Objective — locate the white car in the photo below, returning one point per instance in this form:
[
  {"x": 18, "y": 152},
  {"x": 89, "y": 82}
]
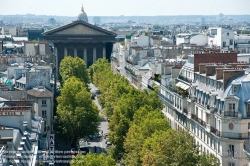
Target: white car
[{"x": 109, "y": 144}]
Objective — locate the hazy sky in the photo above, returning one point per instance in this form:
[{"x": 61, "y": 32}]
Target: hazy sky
[{"x": 125, "y": 7}]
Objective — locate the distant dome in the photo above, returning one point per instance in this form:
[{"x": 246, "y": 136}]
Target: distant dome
[{"x": 82, "y": 16}]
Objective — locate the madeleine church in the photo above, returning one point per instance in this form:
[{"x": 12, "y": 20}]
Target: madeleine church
[{"x": 81, "y": 39}]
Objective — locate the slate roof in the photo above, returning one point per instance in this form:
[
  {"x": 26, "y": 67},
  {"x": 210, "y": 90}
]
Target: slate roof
[{"x": 39, "y": 92}]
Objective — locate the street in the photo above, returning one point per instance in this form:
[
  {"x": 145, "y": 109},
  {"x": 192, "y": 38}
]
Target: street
[{"x": 100, "y": 143}]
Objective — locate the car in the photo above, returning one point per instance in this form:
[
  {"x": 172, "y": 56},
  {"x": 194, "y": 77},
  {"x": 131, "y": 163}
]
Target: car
[
  {"x": 97, "y": 92},
  {"x": 93, "y": 96},
  {"x": 109, "y": 144},
  {"x": 105, "y": 135}
]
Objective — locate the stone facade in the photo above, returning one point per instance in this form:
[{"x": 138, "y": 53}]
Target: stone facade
[{"x": 81, "y": 39}]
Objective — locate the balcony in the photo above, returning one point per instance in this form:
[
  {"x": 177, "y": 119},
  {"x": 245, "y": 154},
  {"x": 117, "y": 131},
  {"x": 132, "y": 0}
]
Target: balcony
[
  {"x": 234, "y": 135},
  {"x": 44, "y": 105},
  {"x": 151, "y": 88},
  {"x": 231, "y": 113},
  {"x": 230, "y": 135},
  {"x": 131, "y": 72},
  {"x": 215, "y": 131},
  {"x": 185, "y": 79},
  {"x": 201, "y": 122},
  {"x": 165, "y": 98}
]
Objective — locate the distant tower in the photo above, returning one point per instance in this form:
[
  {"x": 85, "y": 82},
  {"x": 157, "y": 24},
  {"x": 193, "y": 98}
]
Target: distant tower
[
  {"x": 52, "y": 21},
  {"x": 82, "y": 15}
]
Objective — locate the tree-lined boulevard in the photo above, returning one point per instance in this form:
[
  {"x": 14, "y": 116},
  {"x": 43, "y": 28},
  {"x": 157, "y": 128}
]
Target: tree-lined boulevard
[{"x": 138, "y": 131}]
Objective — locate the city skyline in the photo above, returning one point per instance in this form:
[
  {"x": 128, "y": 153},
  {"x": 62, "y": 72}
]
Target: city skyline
[{"x": 127, "y": 8}]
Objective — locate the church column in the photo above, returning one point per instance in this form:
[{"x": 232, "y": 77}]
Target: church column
[
  {"x": 104, "y": 50},
  {"x": 56, "y": 58},
  {"x": 94, "y": 52},
  {"x": 75, "y": 49},
  {"x": 85, "y": 53},
  {"x": 65, "y": 50}
]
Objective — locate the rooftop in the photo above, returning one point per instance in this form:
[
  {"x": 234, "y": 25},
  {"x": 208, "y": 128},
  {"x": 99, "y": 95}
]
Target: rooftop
[{"x": 40, "y": 91}]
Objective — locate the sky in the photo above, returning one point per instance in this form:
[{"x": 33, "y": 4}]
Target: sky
[{"x": 125, "y": 7}]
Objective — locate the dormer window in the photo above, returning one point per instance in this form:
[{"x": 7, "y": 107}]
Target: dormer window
[{"x": 234, "y": 89}]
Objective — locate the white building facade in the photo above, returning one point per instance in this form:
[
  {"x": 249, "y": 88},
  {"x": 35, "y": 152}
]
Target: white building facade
[{"x": 216, "y": 112}]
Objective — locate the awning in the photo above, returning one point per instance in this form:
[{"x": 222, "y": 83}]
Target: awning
[{"x": 182, "y": 85}]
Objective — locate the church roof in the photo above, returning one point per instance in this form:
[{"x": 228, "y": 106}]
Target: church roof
[{"x": 79, "y": 28}]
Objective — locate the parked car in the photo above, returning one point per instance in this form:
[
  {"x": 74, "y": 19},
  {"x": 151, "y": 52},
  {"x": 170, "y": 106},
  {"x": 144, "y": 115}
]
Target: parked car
[
  {"x": 93, "y": 96},
  {"x": 109, "y": 144},
  {"x": 97, "y": 92},
  {"x": 105, "y": 135}
]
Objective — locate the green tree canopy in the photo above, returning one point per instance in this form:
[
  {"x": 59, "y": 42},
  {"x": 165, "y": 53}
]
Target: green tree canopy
[
  {"x": 77, "y": 116},
  {"x": 70, "y": 66},
  {"x": 93, "y": 160},
  {"x": 173, "y": 148},
  {"x": 146, "y": 122},
  {"x": 157, "y": 26}
]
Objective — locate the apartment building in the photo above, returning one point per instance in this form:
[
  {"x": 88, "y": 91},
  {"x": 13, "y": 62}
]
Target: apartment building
[
  {"x": 221, "y": 37},
  {"x": 20, "y": 131},
  {"x": 242, "y": 43},
  {"x": 212, "y": 101}
]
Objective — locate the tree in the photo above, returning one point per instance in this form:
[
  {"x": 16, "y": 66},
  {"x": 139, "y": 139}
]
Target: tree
[
  {"x": 70, "y": 66},
  {"x": 146, "y": 122},
  {"x": 77, "y": 116},
  {"x": 93, "y": 160},
  {"x": 173, "y": 148},
  {"x": 157, "y": 27}
]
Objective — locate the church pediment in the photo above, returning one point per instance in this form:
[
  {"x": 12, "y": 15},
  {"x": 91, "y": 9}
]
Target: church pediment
[{"x": 79, "y": 28}]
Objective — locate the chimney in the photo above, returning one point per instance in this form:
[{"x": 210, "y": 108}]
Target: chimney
[
  {"x": 228, "y": 74},
  {"x": 219, "y": 72},
  {"x": 210, "y": 69},
  {"x": 202, "y": 68}
]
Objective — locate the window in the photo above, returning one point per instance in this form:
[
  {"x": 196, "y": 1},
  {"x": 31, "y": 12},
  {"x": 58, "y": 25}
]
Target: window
[
  {"x": 218, "y": 146},
  {"x": 44, "y": 113},
  {"x": 235, "y": 89},
  {"x": 224, "y": 44},
  {"x": 231, "y": 41},
  {"x": 227, "y": 34},
  {"x": 213, "y": 31},
  {"x": 231, "y": 150},
  {"x": 231, "y": 164},
  {"x": 248, "y": 109},
  {"x": 231, "y": 106},
  {"x": 43, "y": 102}
]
